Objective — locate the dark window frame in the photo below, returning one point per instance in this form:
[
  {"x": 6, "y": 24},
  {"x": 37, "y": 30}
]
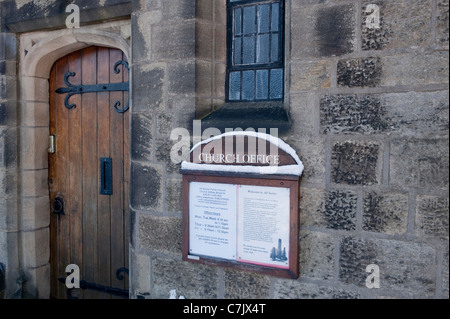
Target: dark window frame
[{"x": 279, "y": 64}]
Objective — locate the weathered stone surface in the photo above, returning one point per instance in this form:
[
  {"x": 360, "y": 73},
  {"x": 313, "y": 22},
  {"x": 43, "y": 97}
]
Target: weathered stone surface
[
  {"x": 148, "y": 92},
  {"x": 352, "y": 114},
  {"x": 432, "y": 216},
  {"x": 445, "y": 274},
  {"x": 174, "y": 201},
  {"x": 340, "y": 210},
  {"x": 356, "y": 163},
  {"x": 142, "y": 137},
  {"x": 302, "y": 116},
  {"x": 160, "y": 233},
  {"x": 335, "y": 29},
  {"x": 312, "y": 154},
  {"x": 442, "y": 24},
  {"x": 323, "y": 31},
  {"x": 146, "y": 188},
  {"x": 180, "y": 44},
  {"x": 163, "y": 148},
  {"x": 420, "y": 163},
  {"x": 365, "y": 72},
  {"x": 310, "y": 75},
  {"x": 418, "y": 68},
  {"x": 242, "y": 285},
  {"x": 189, "y": 280},
  {"x": 423, "y": 114},
  {"x": 312, "y": 202},
  {"x": 290, "y": 289},
  {"x": 316, "y": 255},
  {"x": 402, "y": 23},
  {"x": 404, "y": 266},
  {"x": 385, "y": 213}
]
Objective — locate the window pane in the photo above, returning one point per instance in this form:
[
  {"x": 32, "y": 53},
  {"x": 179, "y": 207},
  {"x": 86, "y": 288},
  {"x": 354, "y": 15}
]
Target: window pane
[
  {"x": 249, "y": 50},
  {"x": 275, "y": 16},
  {"x": 237, "y": 51},
  {"x": 262, "y": 84},
  {"x": 235, "y": 86},
  {"x": 248, "y": 85},
  {"x": 249, "y": 19},
  {"x": 237, "y": 21},
  {"x": 276, "y": 83},
  {"x": 274, "y": 57},
  {"x": 262, "y": 52},
  {"x": 263, "y": 18}
]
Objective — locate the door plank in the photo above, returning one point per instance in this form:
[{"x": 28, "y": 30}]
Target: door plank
[
  {"x": 63, "y": 222},
  {"x": 117, "y": 149},
  {"x": 104, "y": 204},
  {"x": 74, "y": 207},
  {"x": 90, "y": 170}
]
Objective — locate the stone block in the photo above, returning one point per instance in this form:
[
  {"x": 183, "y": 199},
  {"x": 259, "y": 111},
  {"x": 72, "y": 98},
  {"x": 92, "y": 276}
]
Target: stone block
[
  {"x": 174, "y": 11},
  {"x": 35, "y": 213},
  {"x": 294, "y": 289},
  {"x": 420, "y": 163},
  {"x": 142, "y": 137},
  {"x": 442, "y": 18},
  {"x": 140, "y": 268},
  {"x": 323, "y": 31},
  {"x": 34, "y": 148},
  {"x": 181, "y": 78},
  {"x": 310, "y": 75},
  {"x": 8, "y": 46},
  {"x": 420, "y": 114},
  {"x": 148, "y": 89},
  {"x": 356, "y": 163},
  {"x": 190, "y": 280},
  {"x": 312, "y": 153},
  {"x": 240, "y": 285},
  {"x": 385, "y": 213},
  {"x": 445, "y": 274},
  {"x": 34, "y": 114},
  {"x": 160, "y": 234},
  {"x": 432, "y": 216},
  {"x": 35, "y": 183},
  {"x": 316, "y": 255},
  {"x": 351, "y": 114},
  {"x": 180, "y": 44},
  {"x": 340, "y": 210},
  {"x": 302, "y": 114},
  {"x": 8, "y": 147},
  {"x": 404, "y": 266},
  {"x": 163, "y": 149},
  {"x": 8, "y": 215},
  {"x": 402, "y": 24},
  {"x": 174, "y": 202},
  {"x": 417, "y": 68},
  {"x": 141, "y": 44},
  {"x": 364, "y": 72},
  {"x": 312, "y": 201},
  {"x": 146, "y": 189},
  {"x": 36, "y": 250}
]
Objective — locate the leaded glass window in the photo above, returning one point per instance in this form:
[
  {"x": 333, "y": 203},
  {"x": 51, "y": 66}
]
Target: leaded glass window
[{"x": 255, "y": 67}]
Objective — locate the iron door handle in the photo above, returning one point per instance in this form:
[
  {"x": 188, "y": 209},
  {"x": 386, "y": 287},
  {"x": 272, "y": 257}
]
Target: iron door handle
[{"x": 58, "y": 206}]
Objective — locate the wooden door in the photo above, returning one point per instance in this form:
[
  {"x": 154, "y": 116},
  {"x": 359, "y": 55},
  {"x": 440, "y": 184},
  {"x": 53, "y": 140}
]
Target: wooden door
[{"x": 93, "y": 232}]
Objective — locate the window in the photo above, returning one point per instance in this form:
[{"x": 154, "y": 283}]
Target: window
[{"x": 255, "y": 56}]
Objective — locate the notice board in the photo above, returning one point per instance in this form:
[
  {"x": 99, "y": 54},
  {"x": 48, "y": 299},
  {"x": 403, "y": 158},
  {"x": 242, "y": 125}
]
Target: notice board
[{"x": 242, "y": 216}]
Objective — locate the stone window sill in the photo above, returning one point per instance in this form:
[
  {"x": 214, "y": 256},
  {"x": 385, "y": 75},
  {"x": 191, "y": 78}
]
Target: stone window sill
[{"x": 246, "y": 115}]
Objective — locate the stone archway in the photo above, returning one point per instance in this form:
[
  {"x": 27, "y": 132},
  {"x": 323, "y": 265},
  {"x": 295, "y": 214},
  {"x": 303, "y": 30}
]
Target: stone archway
[{"x": 38, "y": 52}]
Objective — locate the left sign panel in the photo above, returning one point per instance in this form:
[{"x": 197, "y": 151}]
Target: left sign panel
[{"x": 212, "y": 225}]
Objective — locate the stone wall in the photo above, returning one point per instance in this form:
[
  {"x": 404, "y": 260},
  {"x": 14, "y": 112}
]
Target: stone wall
[{"x": 370, "y": 120}]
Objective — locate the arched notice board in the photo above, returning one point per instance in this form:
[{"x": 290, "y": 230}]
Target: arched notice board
[{"x": 240, "y": 204}]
